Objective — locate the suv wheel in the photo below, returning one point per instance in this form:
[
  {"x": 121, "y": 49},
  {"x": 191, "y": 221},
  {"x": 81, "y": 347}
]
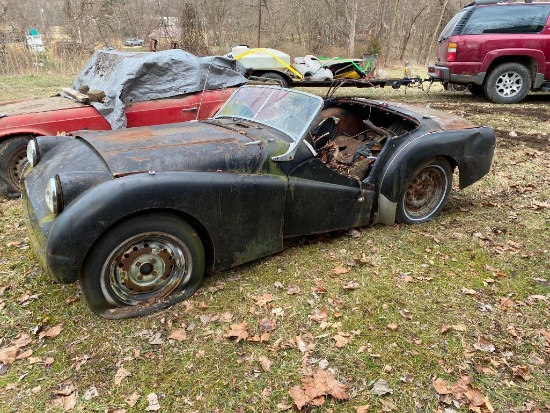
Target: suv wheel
[{"x": 508, "y": 83}]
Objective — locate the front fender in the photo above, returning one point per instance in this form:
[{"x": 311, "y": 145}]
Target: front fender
[
  {"x": 470, "y": 149},
  {"x": 242, "y": 215}
]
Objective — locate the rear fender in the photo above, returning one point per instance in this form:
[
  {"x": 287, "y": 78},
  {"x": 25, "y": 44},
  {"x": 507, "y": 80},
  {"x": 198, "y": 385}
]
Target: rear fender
[{"x": 471, "y": 150}]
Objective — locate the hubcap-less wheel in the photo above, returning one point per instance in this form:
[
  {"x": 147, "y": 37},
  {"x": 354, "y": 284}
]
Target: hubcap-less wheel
[
  {"x": 509, "y": 84},
  {"x": 16, "y": 165},
  {"x": 13, "y": 158},
  {"x": 142, "y": 264},
  {"x": 151, "y": 265},
  {"x": 425, "y": 194}
]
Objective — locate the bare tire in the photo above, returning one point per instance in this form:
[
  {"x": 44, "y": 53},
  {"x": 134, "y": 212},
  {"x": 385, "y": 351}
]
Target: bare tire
[
  {"x": 144, "y": 264},
  {"x": 508, "y": 83},
  {"x": 13, "y": 158},
  {"x": 280, "y": 79},
  {"x": 425, "y": 193}
]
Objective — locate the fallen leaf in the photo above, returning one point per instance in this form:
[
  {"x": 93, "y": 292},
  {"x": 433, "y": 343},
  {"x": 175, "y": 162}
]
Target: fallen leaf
[
  {"x": 267, "y": 324},
  {"x": 156, "y": 339},
  {"x": 405, "y": 314},
  {"x": 8, "y": 354},
  {"x": 441, "y": 386},
  {"x": 66, "y": 403},
  {"x": 351, "y": 285},
  {"x": 521, "y": 372},
  {"x": 265, "y": 363},
  {"x": 293, "y": 290},
  {"x": 342, "y": 339},
  {"x": 392, "y": 326},
  {"x": 132, "y": 399},
  {"x": 24, "y": 355},
  {"x": 263, "y": 300},
  {"x": 484, "y": 345},
  {"x": 90, "y": 393},
  {"x": 65, "y": 389},
  {"x": 380, "y": 387},
  {"x": 341, "y": 270},
  {"x": 179, "y": 335},
  {"x": 299, "y": 396},
  {"x": 51, "y": 332},
  {"x": 153, "y": 404},
  {"x": 120, "y": 375},
  {"x": 22, "y": 340},
  {"x": 314, "y": 389},
  {"x": 238, "y": 331}
]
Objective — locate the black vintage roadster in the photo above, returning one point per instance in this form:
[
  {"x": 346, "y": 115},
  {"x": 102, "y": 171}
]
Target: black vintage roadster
[{"x": 138, "y": 215}]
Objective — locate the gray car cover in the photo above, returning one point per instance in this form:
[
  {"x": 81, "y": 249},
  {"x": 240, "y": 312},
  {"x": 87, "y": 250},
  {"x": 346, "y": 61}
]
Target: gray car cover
[{"x": 127, "y": 77}]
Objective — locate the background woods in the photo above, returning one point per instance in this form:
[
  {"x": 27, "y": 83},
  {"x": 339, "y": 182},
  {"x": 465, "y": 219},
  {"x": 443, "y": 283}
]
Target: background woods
[{"x": 396, "y": 31}]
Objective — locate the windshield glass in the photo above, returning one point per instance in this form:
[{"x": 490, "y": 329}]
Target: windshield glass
[{"x": 287, "y": 110}]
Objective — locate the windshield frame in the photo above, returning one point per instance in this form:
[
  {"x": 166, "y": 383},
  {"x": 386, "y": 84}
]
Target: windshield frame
[{"x": 287, "y": 110}]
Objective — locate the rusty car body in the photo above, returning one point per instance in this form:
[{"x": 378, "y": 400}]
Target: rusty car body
[
  {"x": 138, "y": 215},
  {"x": 141, "y": 86}
]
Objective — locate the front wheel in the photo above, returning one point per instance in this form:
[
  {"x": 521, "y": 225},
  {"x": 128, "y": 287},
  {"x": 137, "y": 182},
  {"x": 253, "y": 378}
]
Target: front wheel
[
  {"x": 426, "y": 192},
  {"x": 144, "y": 264},
  {"x": 508, "y": 83},
  {"x": 13, "y": 157}
]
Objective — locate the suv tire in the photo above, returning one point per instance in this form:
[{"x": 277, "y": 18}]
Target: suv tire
[{"x": 508, "y": 83}]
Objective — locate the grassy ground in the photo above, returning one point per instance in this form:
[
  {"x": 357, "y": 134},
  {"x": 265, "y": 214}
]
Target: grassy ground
[{"x": 449, "y": 316}]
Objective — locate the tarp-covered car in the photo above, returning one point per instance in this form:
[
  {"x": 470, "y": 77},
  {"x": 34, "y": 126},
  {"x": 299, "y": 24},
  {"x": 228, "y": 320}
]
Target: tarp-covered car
[
  {"x": 119, "y": 90},
  {"x": 139, "y": 214}
]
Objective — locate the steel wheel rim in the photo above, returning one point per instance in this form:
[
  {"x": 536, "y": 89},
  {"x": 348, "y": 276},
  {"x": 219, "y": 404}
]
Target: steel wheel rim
[
  {"x": 425, "y": 193},
  {"x": 509, "y": 84},
  {"x": 16, "y": 165},
  {"x": 146, "y": 267}
]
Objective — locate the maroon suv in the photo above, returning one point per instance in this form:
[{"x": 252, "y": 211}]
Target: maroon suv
[{"x": 498, "y": 49}]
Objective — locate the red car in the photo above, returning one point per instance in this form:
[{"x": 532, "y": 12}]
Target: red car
[
  {"x": 497, "y": 49},
  {"x": 157, "y": 88}
]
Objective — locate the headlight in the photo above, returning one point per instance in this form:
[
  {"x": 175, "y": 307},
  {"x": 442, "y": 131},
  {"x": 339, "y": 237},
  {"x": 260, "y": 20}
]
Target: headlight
[
  {"x": 32, "y": 153},
  {"x": 54, "y": 196}
]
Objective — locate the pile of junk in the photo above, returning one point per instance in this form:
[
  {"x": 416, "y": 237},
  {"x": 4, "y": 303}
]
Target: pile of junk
[{"x": 276, "y": 65}]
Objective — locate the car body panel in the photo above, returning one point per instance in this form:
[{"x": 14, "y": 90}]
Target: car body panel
[
  {"x": 57, "y": 115},
  {"x": 225, "y": 177}
]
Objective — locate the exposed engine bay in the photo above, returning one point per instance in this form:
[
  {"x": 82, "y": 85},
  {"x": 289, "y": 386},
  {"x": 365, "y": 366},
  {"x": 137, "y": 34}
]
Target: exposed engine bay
[{"x": 348, "y": 138}]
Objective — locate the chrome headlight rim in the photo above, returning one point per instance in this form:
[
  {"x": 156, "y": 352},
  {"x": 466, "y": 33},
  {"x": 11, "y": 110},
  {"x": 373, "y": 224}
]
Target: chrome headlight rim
[
  {"x": 33, "y": 155},
  {"x": 54, "y": 195}
]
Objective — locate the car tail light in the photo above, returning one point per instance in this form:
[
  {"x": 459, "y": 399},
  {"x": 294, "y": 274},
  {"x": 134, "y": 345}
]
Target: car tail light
[{"x": 451, "y": 52}]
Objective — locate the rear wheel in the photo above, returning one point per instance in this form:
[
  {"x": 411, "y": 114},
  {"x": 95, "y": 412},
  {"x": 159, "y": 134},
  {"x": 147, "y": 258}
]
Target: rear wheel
[
  {"x": 508, "y": 83},
  {"x": 280, "y": 79},
  {"x": 426, "y": 193},
  {"x": 13, "y": 158},
  {"x": 141, "y": 265}
]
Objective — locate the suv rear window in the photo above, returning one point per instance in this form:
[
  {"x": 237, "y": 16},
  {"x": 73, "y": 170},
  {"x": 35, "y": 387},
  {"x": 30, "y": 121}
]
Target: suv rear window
[{"x": 507, "y": 19}]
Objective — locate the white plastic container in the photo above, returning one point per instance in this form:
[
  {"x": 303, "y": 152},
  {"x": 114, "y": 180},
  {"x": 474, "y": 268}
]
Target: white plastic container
[{"x": 260, "y": 59}]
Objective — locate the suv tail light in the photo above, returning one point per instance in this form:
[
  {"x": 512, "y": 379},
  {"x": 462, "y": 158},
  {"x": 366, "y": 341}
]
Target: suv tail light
[{"x": 451, "y": 52}]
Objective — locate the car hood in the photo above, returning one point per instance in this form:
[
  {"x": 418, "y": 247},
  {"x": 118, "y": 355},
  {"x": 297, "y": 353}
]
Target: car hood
[
  {"x": 19, "y": 107},
  {"x": 190, "y": 146}
]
